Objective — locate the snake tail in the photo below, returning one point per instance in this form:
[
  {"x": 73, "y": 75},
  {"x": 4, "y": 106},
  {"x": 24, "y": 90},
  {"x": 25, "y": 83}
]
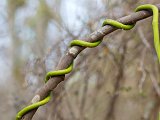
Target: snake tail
[
  {"x": 155, "y": 25},
  {"x": 45, "y": 100}
]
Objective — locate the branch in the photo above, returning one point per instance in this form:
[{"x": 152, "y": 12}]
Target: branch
[{"x": 72, "y": 53}]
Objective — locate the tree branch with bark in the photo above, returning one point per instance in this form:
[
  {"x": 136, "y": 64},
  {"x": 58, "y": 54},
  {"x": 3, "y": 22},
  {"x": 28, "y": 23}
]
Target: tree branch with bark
[{"x": 68, "y": 58}]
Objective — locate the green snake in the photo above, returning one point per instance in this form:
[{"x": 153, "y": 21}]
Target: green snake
[{"x": 94, "y": 44}]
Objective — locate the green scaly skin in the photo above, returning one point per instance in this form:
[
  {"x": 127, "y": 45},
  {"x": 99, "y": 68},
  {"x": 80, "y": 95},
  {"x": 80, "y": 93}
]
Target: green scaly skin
[
  {"x": 94, "y": 44},
  {"x": 154, "y": 25},
  {"x": 117, "y": 24},
  {"x": 46, "y": 100}
]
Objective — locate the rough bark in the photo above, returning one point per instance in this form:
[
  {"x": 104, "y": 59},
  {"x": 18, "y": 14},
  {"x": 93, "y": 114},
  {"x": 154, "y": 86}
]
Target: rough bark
[{"x": 68, "y": 58}]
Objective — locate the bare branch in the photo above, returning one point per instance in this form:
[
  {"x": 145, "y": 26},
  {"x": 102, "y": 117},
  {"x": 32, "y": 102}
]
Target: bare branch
[{"x": 68, "y": 58}]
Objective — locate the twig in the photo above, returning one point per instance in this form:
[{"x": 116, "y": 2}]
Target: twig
[
  {"x": 142, "y": 69},
  {"x": 155, "y": 85},
  {"x": 143, "y": 38},
  {"x": 117, "y": 85}
]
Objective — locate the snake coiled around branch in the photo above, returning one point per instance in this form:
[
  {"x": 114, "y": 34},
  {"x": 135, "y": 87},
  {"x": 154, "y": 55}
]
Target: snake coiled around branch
[{"x": 110, "y": 22}]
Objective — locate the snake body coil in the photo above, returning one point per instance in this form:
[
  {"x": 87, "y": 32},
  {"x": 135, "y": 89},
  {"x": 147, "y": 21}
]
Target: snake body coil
[{"x": 94, "y": 44}]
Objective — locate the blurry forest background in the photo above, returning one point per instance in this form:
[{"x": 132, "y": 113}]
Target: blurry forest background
[{"x": 118, "y": 80}]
